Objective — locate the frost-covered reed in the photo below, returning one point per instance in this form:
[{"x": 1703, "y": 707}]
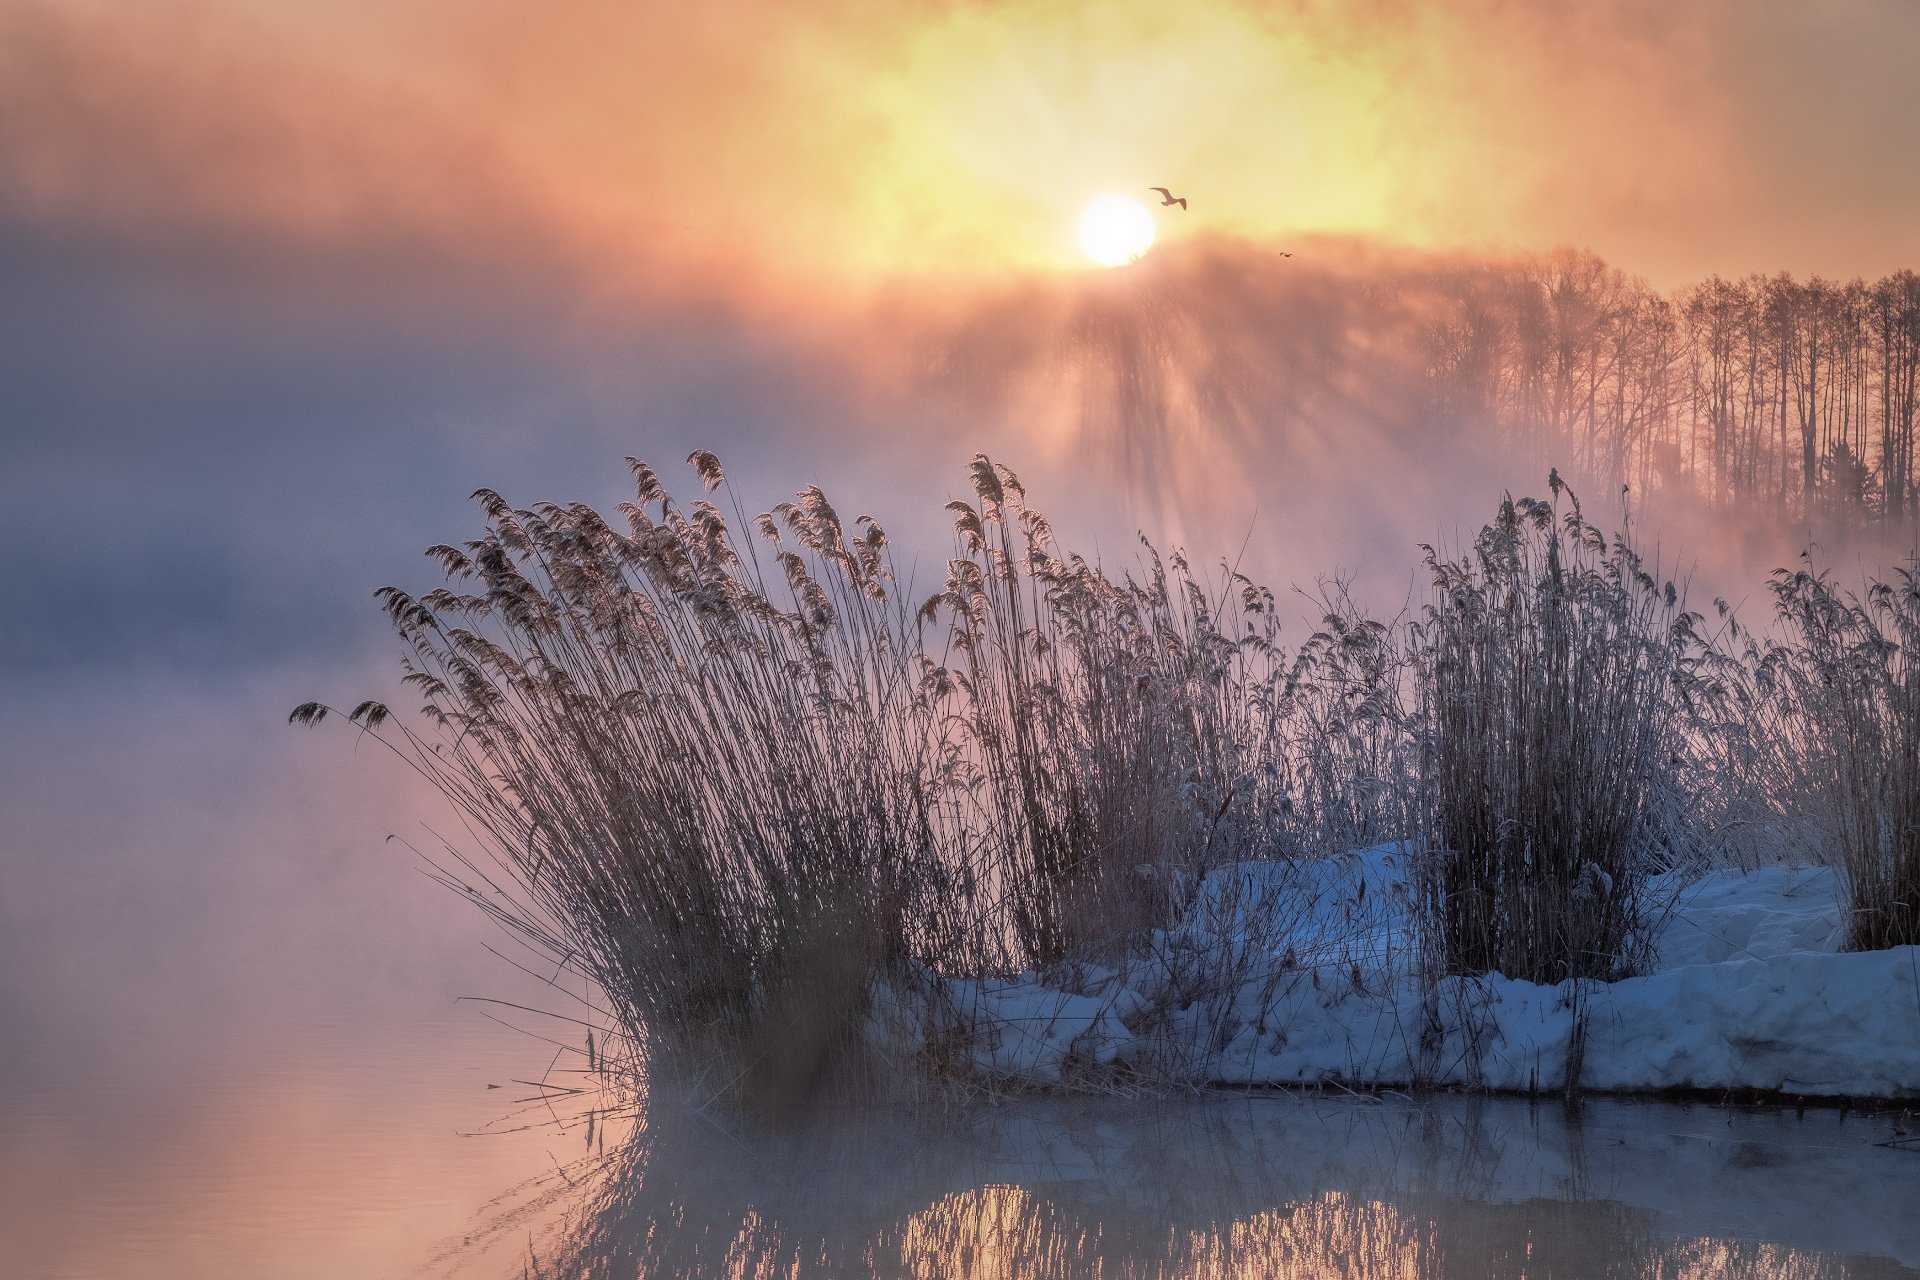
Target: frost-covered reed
[
  {"x": 1548, "y": 670},
  {"x": 730, "y": 773},
  {"x": 797, "y": 825},
  {"x": 1122, "y": 731},
  {"x": 704, "y": 764},
  {"x": 1849, "y": 669}
]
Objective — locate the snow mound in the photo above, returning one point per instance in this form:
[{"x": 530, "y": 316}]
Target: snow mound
[
  {"x": 1300, "y": 974},
  {"x": 1750, "y": 915}
]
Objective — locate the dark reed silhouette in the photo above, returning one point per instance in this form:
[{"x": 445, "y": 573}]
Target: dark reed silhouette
[
  {"x": 755, "y": 796},
  {"x": 736, "y": 783},
  {"x": 1549, "y": 668}
]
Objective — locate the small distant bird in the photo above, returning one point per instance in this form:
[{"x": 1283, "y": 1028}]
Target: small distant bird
[{"x": 1167, "y": 197}]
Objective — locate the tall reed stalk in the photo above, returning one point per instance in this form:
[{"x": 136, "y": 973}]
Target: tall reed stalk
[
  {"x": 1852, "y": 669},
  {"x": 1548, "y": 667}
]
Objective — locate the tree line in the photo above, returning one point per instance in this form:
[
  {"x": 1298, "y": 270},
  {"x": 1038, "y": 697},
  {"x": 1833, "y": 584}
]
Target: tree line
[{"x": 1795, "y": 394}]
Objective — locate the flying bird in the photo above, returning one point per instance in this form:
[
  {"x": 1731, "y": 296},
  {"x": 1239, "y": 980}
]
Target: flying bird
[{"x": 1167, "y": 197}]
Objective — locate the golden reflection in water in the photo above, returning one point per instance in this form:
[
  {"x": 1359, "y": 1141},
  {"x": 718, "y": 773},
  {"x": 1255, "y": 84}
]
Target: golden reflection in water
[
  {"x": 1008, "y": 1233},
  {"x": 1332, "y": 1235},
  {"x": 1715, "y": 1259},
  {"x": 1294, "y": 1194},
  {"x": 990, "y": 1233}
]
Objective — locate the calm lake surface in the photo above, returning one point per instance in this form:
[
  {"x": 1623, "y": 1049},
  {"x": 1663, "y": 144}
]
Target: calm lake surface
[
  {"x": 368, "y": 1174},
  {"x": 1259, "y": 1186}
]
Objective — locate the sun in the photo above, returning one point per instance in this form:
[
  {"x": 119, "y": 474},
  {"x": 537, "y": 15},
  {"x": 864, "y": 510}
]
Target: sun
[{"x": 1115, "y": 230}]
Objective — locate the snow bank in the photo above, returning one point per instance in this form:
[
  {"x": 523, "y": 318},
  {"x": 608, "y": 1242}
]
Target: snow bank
[{"x": 1308, "y": 974}]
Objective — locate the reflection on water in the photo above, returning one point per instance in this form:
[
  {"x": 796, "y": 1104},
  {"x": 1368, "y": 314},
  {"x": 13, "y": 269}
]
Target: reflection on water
[
  {"x": 996, "y": 1232},
  {"x": 1229, "y": 1188},
  {"x": 316, "y": 1158}
]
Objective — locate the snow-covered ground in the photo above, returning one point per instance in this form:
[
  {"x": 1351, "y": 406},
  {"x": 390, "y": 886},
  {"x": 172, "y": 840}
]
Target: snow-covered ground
[{"x": 1308, "y": 975}]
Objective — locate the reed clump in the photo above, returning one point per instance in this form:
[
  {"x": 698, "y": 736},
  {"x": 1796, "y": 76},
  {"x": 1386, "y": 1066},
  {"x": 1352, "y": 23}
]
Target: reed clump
[
  {"x": 1549, "y": 670},
  {"x": 1122, "y": 734},
  {"x": 1849, "y": 667},
  {"x": 726, "y": 770},
  {"x": 703, "y": 763},
  {"x": 800, "y": 828},
  {"x": 1089, "y": 736}
]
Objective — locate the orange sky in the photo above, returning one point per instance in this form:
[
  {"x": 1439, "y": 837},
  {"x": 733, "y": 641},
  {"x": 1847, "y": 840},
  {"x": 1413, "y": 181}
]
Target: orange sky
[{"x": 856, "y": 140}]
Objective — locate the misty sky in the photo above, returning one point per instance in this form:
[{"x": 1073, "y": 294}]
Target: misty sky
[{"x": 284, "y": 281}]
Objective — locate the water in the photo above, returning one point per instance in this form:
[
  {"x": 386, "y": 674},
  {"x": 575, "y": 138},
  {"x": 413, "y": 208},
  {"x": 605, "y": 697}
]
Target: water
[
  {"x": 366, "y": 1172},
  {"x": 1253, "y": 1186},
  {"x": 332, "y": 1152},
  {"x": 319, "y": 1155}
]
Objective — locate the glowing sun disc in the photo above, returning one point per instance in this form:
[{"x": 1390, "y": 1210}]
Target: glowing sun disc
[{"x": 1115, "y": 230}]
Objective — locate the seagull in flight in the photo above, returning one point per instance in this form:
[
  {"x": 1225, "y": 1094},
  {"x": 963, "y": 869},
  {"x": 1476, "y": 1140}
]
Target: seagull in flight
[{"x": 1167, "y": 197}]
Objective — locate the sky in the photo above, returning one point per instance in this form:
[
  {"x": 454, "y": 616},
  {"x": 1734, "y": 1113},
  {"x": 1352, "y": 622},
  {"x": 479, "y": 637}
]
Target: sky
[{"x": 282, "y": 282}]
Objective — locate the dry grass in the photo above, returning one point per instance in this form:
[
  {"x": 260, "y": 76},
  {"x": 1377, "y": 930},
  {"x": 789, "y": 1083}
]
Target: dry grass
[
  {"x": 734, "y": 781},
  {"x": 1127, "y": 733},
  {"x": 1849, "y": 669},
  {"x": 1549, "y": 668},
  {"x": 696, "y": 762},
  {"x": 724, "y": 769}
]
